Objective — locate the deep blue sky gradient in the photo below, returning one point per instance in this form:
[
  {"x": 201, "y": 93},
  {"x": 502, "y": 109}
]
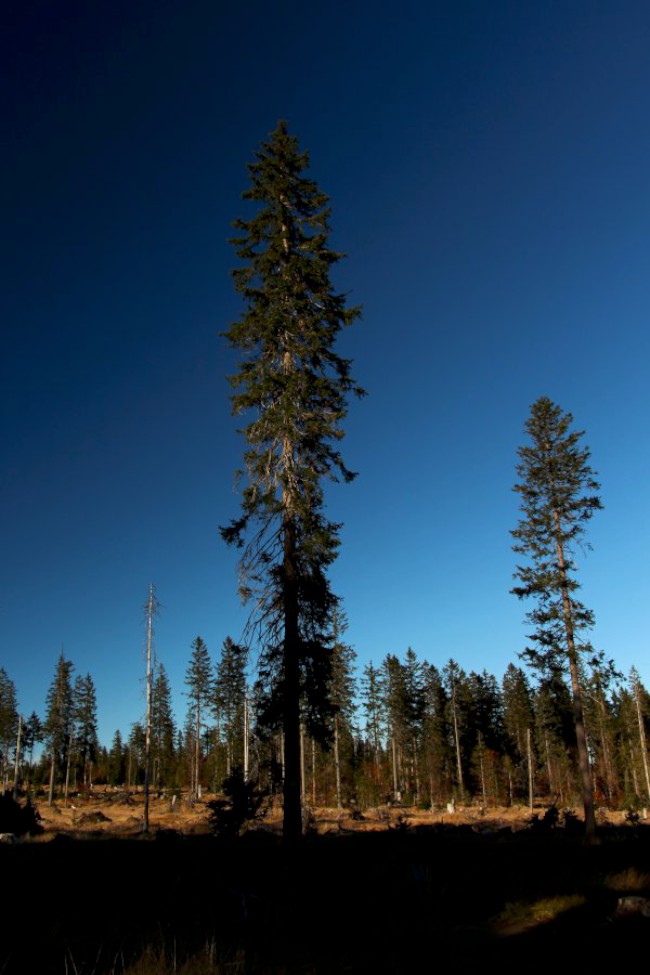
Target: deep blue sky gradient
[{"x": 487, "y": 165}]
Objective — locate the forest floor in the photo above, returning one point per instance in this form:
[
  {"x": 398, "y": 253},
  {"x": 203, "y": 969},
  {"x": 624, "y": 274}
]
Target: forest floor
[
  {"x": 398, "y": 892},
  {"x": 120, "y": 813}
]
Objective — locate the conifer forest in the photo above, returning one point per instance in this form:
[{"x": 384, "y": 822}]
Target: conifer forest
[{"x": 508, "y": 810}]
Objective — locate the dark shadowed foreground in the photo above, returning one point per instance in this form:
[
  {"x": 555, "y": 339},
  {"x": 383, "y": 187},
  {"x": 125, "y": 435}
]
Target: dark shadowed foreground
[{"x": 426, "y": 899}]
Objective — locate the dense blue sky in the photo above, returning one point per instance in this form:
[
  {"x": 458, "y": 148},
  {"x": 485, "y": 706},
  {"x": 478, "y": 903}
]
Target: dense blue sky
[{"x": 487, "y": 165}]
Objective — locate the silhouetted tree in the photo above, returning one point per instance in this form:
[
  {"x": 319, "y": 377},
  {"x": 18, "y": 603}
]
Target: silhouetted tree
[
  {"x": 642, "y": 706},
  {"x": 437, "y": 734},
  {"x": 198, "y": 679},
  {"x": 162, "y": 729},
  {"x": 600, "y": 725},
  {"x": 58, "y": 720},
  {"x": 518, "y": 721},
  {"x": 8, "y": 723},
  {"x": 341, "y": 693},
  {"x": 116, "y": 771},
  {"x": 85, "y": 725},
  {"x": 33, "y": 734},
  {"x": 453, "y": 679},
  {"x": 375, "y": 712},
  {"x": 136, "y": 754},
  {"x": 294, "y": 387},
  {"x": 230, "y": 689}
]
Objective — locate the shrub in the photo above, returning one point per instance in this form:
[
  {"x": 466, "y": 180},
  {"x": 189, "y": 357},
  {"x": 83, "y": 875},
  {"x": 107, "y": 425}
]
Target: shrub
[
  {"x": 17, "y": 819},
  {"x": 242, "y": 803}
]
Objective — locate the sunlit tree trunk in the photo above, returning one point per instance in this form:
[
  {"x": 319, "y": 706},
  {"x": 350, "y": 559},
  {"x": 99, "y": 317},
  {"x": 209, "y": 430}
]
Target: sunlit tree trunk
[
  {"x": 337, "y": 762},
  {"x": 17, "y": 762}
]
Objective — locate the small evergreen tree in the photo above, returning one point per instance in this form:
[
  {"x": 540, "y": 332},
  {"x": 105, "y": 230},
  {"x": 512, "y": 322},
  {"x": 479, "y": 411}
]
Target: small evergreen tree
[
  {"x": 162, "y": 729},
  {"x": 116, "y": 771},
  {"x": 136, "y": 755},
  {"x": 33, "y": 734}
]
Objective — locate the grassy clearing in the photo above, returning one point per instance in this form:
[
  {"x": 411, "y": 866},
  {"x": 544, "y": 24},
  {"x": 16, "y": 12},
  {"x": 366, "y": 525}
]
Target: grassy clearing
[{"x": 520, "y": 915}]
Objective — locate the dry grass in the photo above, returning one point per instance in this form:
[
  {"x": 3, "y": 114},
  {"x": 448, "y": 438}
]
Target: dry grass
[
  {"x": 522, "y": 916},
  {"x": 124, "y": 816},
  {"x": 165, "y": 962},
  {"x": 628, "y": 880}
]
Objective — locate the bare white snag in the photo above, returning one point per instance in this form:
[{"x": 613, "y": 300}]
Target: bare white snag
[{"x": 147, "y": 739}]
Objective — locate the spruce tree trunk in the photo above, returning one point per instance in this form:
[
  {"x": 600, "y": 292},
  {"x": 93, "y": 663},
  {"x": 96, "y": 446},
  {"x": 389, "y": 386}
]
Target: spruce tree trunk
[
  {"x": 337, "y": 762},
  {"x": 246, "y": 736},
  {"x": 459, "y": 764},
  {"x": 531, "y": 791},
  {"x": 67, "y": 771},
  {"x": 549, "y": 770},
  {"x": 396, "y": 792},
  {"x": 147, "y": 738},
  {"x": 292, "y": 823},
  {"x": 17, "y": 762},
  {"x": 50, "y": 797},
  {"x": 482, "y": 769},
  {"x": 607, "y": 758},
  {"x": 416, "y": 771},
  {"x": 578, "y": 711},
  {"x": 635, "y": 781},
  {"x": 197, "y": 754},
  {"x": 642, "y": 736}
]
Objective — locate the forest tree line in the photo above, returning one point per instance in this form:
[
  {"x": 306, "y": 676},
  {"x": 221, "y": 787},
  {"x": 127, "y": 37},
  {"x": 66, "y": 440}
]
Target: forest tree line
[{"x": 403, "y": 731}]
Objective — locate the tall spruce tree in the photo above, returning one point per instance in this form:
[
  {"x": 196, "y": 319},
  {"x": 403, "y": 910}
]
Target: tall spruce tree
[
  {"x": 438, "y": 749},
  {"x": 85, "y": 720},
  {"x": 230, "y": 700},
  {"x": 341, "y": 694},
  {"x": 8, "y": 722},
  {"x": 641, "y": 702},
  {"x": 58, "y": 720},
  {"x": 33, "y": 734},
  {"x": 558, "y": 495},
  {"x": 294, "y": 387},
  {"x": 454, "y": 680},
  {"x": 198, "y": 679},
  {"x": 518, "y": 726}
]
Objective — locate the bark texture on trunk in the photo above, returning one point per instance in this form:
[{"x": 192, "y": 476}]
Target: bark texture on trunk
[
  {"x": 292, "y": 826},
  {"x": 576, "y": 692}
]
